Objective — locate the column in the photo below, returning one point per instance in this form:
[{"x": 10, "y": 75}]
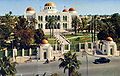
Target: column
[
  {"x": 14, "y": 54},
  {"x": 69, "y": 47},
  {"x": 86, "y": 46},
  {"x": 79, "y": 47},
  {"x": 23, "y": 52},
  {"x": 55, "y": 47},
  {"x": 38, "y": 53},
  {"x": 41, "y": 53},
  {"x": 30, "y": 52},
  {"x": 115, "y": 50},
  {"x": 103, "y": 48},
  {"x": 108, "y": 49},
  {"x": 92, "y": 46},
  {"x": 48, "y": 54},
  {"x": 6, "y": 52}
]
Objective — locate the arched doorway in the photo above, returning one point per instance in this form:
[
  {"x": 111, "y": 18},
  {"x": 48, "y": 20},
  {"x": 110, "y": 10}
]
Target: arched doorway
[{"x": 111, "y": 51}]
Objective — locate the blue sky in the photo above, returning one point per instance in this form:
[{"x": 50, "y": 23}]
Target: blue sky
[{"x": 84, "y": 7}]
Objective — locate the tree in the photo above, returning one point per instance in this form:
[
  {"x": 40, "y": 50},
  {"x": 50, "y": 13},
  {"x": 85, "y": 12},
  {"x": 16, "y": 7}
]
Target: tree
[
  {"x": 22, "y": 23},
  {"x": 33, "y": 22},
  {"x": 38, "y": 36},
  {"x": 70, "y": 62},
  {"x": 75, "y": 24},
  {"x": 7, "y": 67},
  {"x": 26, "y": 37},
  {"x": 51, "y": 22}
]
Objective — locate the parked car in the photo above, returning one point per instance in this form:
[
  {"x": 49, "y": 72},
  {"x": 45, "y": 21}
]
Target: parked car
[{"x": 101, "y": 60}]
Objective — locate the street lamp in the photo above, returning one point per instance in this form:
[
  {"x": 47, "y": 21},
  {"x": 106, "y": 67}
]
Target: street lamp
[{"x": 85, "y": 54}]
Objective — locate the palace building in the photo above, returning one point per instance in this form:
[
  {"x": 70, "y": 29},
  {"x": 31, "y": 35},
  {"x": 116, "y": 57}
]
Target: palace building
[{"x": 64, "y": 17}]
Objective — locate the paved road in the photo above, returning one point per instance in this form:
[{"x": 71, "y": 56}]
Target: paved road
[{"x": 108, "y": 69}]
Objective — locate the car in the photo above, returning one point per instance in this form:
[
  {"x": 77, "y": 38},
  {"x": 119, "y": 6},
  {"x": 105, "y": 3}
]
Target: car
[{"x": 101, "y": 60}]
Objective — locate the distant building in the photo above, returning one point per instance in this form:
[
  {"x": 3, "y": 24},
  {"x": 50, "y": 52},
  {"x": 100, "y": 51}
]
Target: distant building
[{"x": 49, "y": 10}]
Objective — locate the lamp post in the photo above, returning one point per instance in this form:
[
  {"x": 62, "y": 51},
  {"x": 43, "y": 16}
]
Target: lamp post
[{"x": 86, "y": 57}]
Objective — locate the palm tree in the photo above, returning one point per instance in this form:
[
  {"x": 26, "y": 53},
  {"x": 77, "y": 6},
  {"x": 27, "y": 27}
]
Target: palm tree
[
  {"x": 51, "y": 22},
  {"x": 70, "y": 62},
  {"x": 7, "y": 67},
  {"x": 33, "y": 22},
  {"x": 76, "y": 23}
]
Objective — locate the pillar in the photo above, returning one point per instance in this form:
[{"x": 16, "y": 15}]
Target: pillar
[
  {"x": 92, "y": 46},
  {"x": 23, "y": 52},
  {"x": 108, "y": 49},
  {"x": 69, "y": 47},
  {"x": 6, "y": 54},
  {"x": 41, "y": 53},
  {"x": 48, "y": 53},
  {"x": 86, "y": 46},
  {"x": 55, "y": 47},
  {"x": 30, "y": 52},
  {"x": 38, "y": 52},
  {"x": 115, "y": 49},
  {"x": 14, "y": 54},
  {"x": 79, "y": 46},
  {"x": 103, "y": 48}
]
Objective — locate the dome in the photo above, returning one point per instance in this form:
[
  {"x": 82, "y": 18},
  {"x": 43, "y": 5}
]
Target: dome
[
  {"x": 109, "y": 39},
  {"x": 30, "y": 10},
  {"x": 50, "y": 4},
  {"x": 65, "y": 10},
  {"x": 71, "y": 9},
  {"x": 44, "y": 41}
]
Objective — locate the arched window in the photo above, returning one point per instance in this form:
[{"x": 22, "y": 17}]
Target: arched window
[
  {"x": 49, "y": 16},
  {"x": 58, "y": 26},
  {"x": 38, "y": 25},
  {"x": 64, "y": 25},
  {"x": 46, "y": 18},
  {"x": 64, "y": 18},
  {"x": 52, "y": 16},
  {"x": 41, "y": 18},
  {"x": 58, "y": 17},
  {"x": 46, "y": 26},
  {"x": 41, "y": 25}
]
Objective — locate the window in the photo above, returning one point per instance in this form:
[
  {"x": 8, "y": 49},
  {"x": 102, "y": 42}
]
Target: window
[
  {"x": 46, "y": 18},
  {"x": 40, "y": 25},
  {"x": 58, "y": 18},
  {"x": 58, "y": 26},
  {"x": 64, "y": 25},
  {"x": 39, "y": 18},
  {"x": 64, "y": 18}
]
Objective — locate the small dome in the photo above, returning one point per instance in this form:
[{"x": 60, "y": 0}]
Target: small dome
[
  {"x": 44, "y": 41},
  {"x": 109, "y": 39},
  {"x": 50, "y": 4},
  {"x": 65, "y": 10},
  {"x": 30, "y": 10},
  {"x": 71, "y": 9}
]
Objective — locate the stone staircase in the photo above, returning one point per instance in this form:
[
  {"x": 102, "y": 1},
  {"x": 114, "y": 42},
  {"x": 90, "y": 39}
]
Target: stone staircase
[{"x": 61, "y": 38}]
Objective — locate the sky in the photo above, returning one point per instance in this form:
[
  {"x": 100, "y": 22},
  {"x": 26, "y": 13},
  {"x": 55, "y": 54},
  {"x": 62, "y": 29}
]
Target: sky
[{"x": 83, "y": 7}]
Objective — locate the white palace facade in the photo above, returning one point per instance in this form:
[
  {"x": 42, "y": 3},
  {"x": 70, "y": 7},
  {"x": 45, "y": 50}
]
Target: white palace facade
[{"x": 64, "y": 17}]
